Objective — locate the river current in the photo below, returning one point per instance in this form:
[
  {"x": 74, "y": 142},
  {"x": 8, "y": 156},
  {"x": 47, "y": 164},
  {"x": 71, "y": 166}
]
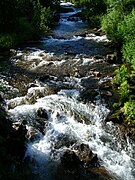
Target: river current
[{"x": 69, "y": 119}]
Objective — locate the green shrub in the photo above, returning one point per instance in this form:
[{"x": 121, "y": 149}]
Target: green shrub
[
  {"x": 129, "y": 53},
  {"x": 124, "y": 91},
  {"x": 122, "y": 75},
  {"x": 129, "y": 110},
  {"x": 110, "y": 25},
  {"x": 45, "y": 19},
  {"x": 7, "y": 40},
  {"x": 129, "y": 50},
  {"x": 127, "y": 27}
]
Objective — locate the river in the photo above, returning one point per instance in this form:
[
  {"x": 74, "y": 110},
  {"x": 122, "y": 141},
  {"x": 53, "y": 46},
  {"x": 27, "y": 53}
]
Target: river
[{"x": 55, "y": 87}]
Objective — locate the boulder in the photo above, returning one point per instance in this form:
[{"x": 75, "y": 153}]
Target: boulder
[
  {"x": 16, "y": 140},
  {"x": 82, "y": 164},
  {"x": 86, "y": 156},
  {"x": 41, "y": 112},
  {"x": 32, "y": 134},
  {"x": 70, "y": 160},
  {"x": 111, "y": 58}
]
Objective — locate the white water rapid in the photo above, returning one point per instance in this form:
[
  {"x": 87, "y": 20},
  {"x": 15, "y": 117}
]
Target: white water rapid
[{"x": 67, "y": 117}]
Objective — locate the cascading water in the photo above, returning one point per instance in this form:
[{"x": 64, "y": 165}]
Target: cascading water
[{"x": 69, "y": 120}]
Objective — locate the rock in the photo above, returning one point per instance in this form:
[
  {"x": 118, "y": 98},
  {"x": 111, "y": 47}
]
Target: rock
[
  {"x": 82, "y": 164},
  {"x": 106, "y": 93},
  {"x": 97, "y": 33},
  {"x": 88, "y": 94},
  {"x": 42, "y": 113},
  {"x": 86, "y": 156},
  {"x": 98, "y": 56},
  {"x": 44, "y": 78},
  {"x": 16, "y": 125},
  {"x": 16, "y": 147},
  {"x": 30, "y": 85},
  {"x": 111, "y": 58},
  {"x": 35, "y": 93},
  {"x": 70, "y": 160},
  {"x": 97, "y": 74},
  {"x": 13, "y": 52},
  {"x": 64, "y": 140},
  {"x": 32, "y": 134},
  {"x": 15, "y": 142},
  {"x": 66, "y": 9}
]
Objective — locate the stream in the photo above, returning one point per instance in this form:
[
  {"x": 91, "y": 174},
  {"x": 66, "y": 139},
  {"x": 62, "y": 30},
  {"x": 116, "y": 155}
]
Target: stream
[{"x": 61, "y": 86}]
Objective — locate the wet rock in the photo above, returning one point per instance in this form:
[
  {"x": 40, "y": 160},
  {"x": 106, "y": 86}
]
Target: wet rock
[
  {"x": 31, "y": 85},
  {"x": 42, "y": 113},
  {"x": 98, "y": 56},
  {"x": 66, "y": 9},
  {"x": 16, "y": 141},
  {"x": 97, "y": 74},
  {"x": 97, "y": 33},
  {"x": 88, "y": 95},
  {"x": 86, "y": 156},
  {"x": 32, "y": 134},
  {"x": 44, "y": 78},
  {"x": 106, "y": 93},
  {"x": 111, "y": 58},
  {"x": 83, "y": 164},
  {"x": 13, "y": 52},
  {"x": 89, "y": 83},
  {"x": 50, "y": 64},
  {"x": 70, "y": 160},
  {"x": 64, "y": 140},
  {"x": 16, "y": 125},
  {"x": 35, "y": 93}
]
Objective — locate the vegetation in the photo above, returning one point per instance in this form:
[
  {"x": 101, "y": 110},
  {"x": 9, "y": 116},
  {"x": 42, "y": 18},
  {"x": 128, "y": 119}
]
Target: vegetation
[
  {"x": 21, "y": 20},
  {"x": 119, "y": 25}
]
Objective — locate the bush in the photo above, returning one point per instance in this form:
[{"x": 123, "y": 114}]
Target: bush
[
  {"x": 129, "y": 110},
  {"x": 7, "y": 41},
  {"x": 122, "y": 75},
  {"x": 124, "y": 91},
  {"x": 127, "y": 27},
  {"x": 110, "y": 25},
  {"x": 45, "y": 19}
]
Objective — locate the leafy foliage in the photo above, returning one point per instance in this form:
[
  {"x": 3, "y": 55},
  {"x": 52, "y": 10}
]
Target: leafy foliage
[
  {"x": 124, "y": 91},
  {"x": 129, "y": 110},
  {"x": 23, "y": 19},
  {"x": 127, "y": 27},
  {"x": 122, "y": 75},
  {"x": 110, "y": 25}
]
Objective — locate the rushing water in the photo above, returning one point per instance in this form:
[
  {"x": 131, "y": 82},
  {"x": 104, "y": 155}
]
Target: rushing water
[{"x": 70, "y": 121}]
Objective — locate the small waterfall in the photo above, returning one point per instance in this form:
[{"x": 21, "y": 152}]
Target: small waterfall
[{"x": 71, "y": 121}]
